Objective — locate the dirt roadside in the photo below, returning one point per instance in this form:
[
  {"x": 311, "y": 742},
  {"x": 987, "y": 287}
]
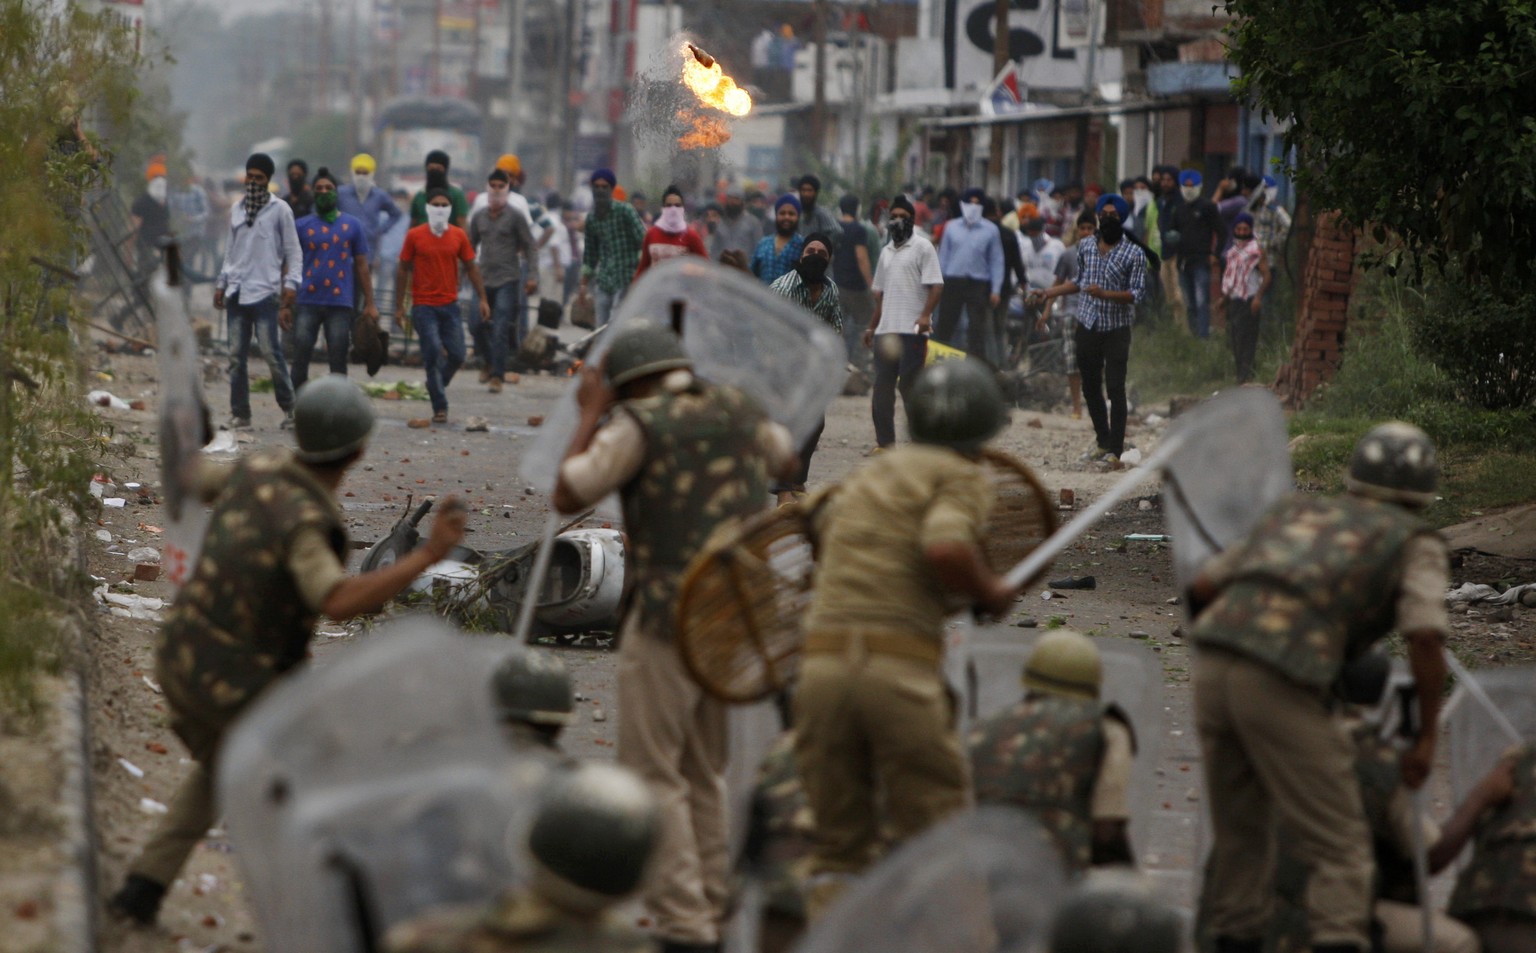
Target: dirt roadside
[{"x": 127, "y": 721}]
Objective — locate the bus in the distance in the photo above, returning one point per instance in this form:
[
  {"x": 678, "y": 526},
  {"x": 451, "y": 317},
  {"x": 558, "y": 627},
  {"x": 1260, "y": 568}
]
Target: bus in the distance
[{"x": 410, "y": 127}]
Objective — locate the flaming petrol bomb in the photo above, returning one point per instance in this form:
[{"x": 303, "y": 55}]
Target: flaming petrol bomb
[{"x": 708, "y": 82}]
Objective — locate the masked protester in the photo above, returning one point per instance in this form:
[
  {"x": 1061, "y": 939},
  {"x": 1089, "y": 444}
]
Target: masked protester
[
  {"x": 1112, "y": 274},
  {"x": 816, "y": 216},
  {"x": 1244, "y": 281},
  {"x": 614, "y": 236},
  {"x": 152, "y": 217},
  {"x": 780, "y": 252},
  {"x": 436, "y": 168},
  {"x": 299, "y": 196},
  {"x": 670, "y": 237},
  {"x": 502, "y": 236},
  {"x": 809, "y": 286},
  {"x": 365, "y": 201},
  {"x": 336, "y": 272},
  {"x": 971, "y": 257},
  {"x": 1197, "y": 224},
  {"x": 907, "y": 287}
]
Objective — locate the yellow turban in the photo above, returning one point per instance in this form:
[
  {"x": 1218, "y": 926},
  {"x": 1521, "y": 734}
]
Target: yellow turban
[
  {"x": 365, "y": 162},
  {"x": 510, "y": 164}
]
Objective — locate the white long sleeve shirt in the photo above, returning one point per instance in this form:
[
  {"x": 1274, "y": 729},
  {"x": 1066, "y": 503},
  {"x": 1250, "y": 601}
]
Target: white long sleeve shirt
[{"x": 264, "y": 257}]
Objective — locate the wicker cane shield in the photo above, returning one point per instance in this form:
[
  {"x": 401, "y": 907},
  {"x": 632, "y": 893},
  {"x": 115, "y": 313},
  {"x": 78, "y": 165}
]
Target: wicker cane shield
[
  {"x": 1023, "y": 515},
  {"x": 743, "y": 602}
]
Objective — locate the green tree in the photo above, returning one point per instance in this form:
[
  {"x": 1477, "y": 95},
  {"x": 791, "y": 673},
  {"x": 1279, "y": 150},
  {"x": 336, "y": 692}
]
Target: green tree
[
  {"x": 1416, "y": 118},
  {"x": 62, "y": 70}
]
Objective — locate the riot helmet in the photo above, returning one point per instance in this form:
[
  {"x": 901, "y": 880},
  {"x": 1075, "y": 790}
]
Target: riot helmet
[
  {"x": 641, "y": 350},
  {"x": 1395, "y": 462},
  {"x": 1065, "y": 663},
  {"x": 957, "y": 404},
  {"x": 332, "y": 419}
]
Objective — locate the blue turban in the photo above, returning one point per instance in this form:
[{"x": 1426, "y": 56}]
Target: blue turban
[
  {"x": 1243, "y": 218},
  {"x": 1270, "y": 181},
  {"x": 1113, "y": 198},
  {"x": 1044, "y": 185},
  {"x": 604, "y": 175},
  {"x": 788, "y": 198},
  {"x": 1190, "y": 177}
]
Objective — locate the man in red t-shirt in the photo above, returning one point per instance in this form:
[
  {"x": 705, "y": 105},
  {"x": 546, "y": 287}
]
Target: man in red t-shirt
[
  {"x": 670, "y": 236},
  {"x": 432, "y": 253}
]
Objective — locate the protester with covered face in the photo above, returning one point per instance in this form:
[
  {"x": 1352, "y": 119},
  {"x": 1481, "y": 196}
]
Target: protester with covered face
[
  {"x": 259, "y": 282},
  {"x": 1244, "y": 281},
  {"x": 1198, "y": 225},
  {"x": 506, "y": 249},
  {"x": 298, "y": 195},
  {"x": 908, "y": 284},
  {"x": 365, "y": 201},
  {"x": 1271, "y": 222},
  {"x": 816, "y": 216},
  {"x": 971, "y": 257},
  {"x": 778, "y": 253},
  {"x": 738, "y": 232},
  {"x": 429, "y": 275},
  {"x": 1060, "y": 314},
  {"x": 1112, "y": 275},
  {"x": 811, "y": 287},
  {"x": 1167, "y": 198},
  {"x": 151, "y": 216},
  {"x": 336, "y": 274},
  {"x": 437, "y": 164},
  {"x": 614, "y": 235},
  {"x": 670, "y": 236}
]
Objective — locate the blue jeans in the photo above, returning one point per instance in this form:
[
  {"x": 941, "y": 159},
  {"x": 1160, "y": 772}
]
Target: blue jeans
[
  {"x": 1195, "y": 282},
  {"x": 490, "y": 337},
  {"x": 258, "y": 319},
  {"x": 898, "y": 359},
  {"x": 607, "y": 302},
  {"x": 441, "y": 333},
  {"x": 308, "y": 321}
]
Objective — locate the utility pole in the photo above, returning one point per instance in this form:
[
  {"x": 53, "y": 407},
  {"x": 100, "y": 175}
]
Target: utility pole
[
  {"x": 354, "y": 100},
  {"x": 1001, "y": 54},
  {"x": 434, "y": 87},
  {"x": 1084, "y": 120},
  {"x": 819, "y": 102},
  {"x": 519, "y": 44},
  {"x": 568, "y": 115}
]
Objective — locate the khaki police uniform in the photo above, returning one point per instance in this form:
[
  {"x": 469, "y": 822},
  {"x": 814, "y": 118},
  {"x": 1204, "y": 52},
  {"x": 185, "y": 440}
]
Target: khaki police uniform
[
  {"x": 874, "y": 721},
  {"x": 271, "y": 556},
  {"x": 1317, "y": 581},
  {"x": 683, "y": 461}
]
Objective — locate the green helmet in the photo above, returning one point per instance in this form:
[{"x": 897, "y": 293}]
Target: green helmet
[
  {"x": 594, "y": 829},
  {"x": 1065, "y": 663},
  {"x": 332, "y": 418},
  {"x": 1395, "y": 462},
  {"x": 533, "y": 686},
  {"x": 957, "y": 404},
  {"x": 1115, "y": 913},
  {"x": 641, "y": 350}
]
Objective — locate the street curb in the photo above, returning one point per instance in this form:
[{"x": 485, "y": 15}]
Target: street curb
[{"x": 74, "y": 891}]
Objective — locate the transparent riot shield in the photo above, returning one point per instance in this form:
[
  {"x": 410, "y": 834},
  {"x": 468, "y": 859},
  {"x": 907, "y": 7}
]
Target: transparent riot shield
[
  {"x": 360, "y": 793},
  {"x": 1476, "y": 739},
  {"x": 183, "y": 419},
  {"x": 986, "y": 881},
  {"x": 1233, "y": 463},
  {"x": 736, "y": 331},
  {"x": 1133, "y": 681}
]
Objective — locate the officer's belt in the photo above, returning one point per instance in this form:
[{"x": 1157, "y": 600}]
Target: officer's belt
[{"x": 874, "y": 642}]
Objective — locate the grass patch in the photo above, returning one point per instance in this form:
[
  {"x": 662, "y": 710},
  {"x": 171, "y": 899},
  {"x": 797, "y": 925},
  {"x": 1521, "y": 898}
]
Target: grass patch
[
  {"x": 31, "y": 641},
  {"x": 1167, "y": 361}
]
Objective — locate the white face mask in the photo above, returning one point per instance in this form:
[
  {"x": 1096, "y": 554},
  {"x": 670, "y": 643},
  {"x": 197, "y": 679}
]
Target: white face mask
[
  {"x": 363, "y": 183},
  {"x": 1190, "y": 192},
  {"x": 672, "y": 219},
  {"x": 1271, "y": 195},
  {"x": 156, "y": 188},
  {"x": 1142, "y": 198},
  {"x": 971, "y": 211},
  {"x": 496, "y": 198},
  {"x": 437, "y": 218}
]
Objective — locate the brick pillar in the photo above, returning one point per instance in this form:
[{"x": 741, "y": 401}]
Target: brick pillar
[{"x": 1322, "y": 314}]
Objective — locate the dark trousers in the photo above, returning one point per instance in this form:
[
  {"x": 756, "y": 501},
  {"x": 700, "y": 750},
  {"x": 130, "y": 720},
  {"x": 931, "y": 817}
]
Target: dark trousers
[
  {"x": 898, "y": 359},
  {"x": 974, "y": 295},
  {"x": 1243, "y": 332},
  {"x": 1101, "y": 360},
  {"x": 310, "y": 321},
  {"x": 807, "y": 450}
]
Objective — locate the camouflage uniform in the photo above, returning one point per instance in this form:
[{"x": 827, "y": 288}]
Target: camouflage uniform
[
  {"x": 780, "y": 835},
  {"x": 1316, "y": 582},
  {"x": 1044, "y": 755},
  {"x": 521, "y": 922},
  {"x": 237, "y": 625},
  {"x": 705, "y": 462},
  {"x": 1496, "y": 892}
]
